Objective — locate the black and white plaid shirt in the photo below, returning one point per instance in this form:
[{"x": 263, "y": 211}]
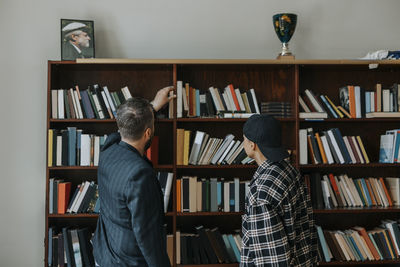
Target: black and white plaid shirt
[{"x": 278, "y": 226}]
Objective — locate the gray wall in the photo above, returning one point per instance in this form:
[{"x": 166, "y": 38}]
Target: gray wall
[{"x": 145, "y": 29}]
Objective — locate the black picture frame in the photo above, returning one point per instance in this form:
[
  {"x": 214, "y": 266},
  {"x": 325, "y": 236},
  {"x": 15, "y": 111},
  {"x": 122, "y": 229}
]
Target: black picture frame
[{"x": 77, "y": 39}]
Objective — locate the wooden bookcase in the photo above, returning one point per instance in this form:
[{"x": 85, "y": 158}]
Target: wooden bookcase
[{"x": 273, "y": 80}]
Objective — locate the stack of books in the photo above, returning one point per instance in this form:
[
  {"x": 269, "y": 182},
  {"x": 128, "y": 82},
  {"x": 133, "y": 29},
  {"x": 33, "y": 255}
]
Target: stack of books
[
  {"x": 358, "y": 244},
  {"x": 210, "y": 195},
  {"x": 207, "y": 150},
  {"x": 331, "y": 191},
  {"x": 207, "y": 246},
  {"x": 277, "y": 109},
  {"x": 329, "y": 147},
  {"x": 191, "y": 102}
]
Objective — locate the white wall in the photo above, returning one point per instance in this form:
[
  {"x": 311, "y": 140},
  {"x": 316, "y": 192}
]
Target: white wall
[{"x": 145, "y": 29}]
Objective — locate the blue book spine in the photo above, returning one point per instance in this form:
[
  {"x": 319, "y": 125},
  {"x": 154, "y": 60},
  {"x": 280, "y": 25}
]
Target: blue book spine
[
  {"x": 198, "y": 103},
  {"x": 219, "y": 197},
  {"x": 367, "y": 102},
  {"x": 366, "y": 192},
  {"x": 71, "y": 146},
  {"x": 356, "y": 247},
  {"x": 234, "y": 246},
  {"x": 87, "y": 105},
  {"x": 329, "y": 106},
  {"x": 50, "y": 250},
  {"x": 51, "y": 194},
  {"x": 342, "y": 145},
  {"x": 364, "y": 201},
  {"x": 324, "y": 246},
  {"x": 375, "y": 245},
  {"x": 396, "y": 147}
]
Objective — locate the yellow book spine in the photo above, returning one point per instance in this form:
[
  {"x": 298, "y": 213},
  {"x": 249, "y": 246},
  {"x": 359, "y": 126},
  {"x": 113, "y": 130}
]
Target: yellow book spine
[
  {"x": 363, "y": 149},
  {"x": 334, "y": 107},
  {"x": 321, "y": 148},
  {"x": 50, "y": 149},
  {"x": 344, "y": 112},
  {"x": 186, "y": 148}
]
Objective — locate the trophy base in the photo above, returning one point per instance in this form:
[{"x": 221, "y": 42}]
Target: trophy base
[{"x": 285, "y": 57}]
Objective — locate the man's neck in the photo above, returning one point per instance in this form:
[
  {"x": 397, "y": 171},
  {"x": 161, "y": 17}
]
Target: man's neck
[
  {"x": 259, "y": 158},
  {"x": 138, "y": 145}
]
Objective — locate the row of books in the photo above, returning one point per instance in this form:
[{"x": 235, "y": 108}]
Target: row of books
[
  {"x": 313, "y": 107},
  {"x": 205, "y": 150},
  {"x": 277, "y": 109},
  {"x": 206, "y": 246},
  {"x": 84, "y": 199},
  {"x": 210, "y": 195},
  {"x": 192, "y": 103},
  {"x": 70, "y": 247},
  {"x": 94, "y": 102},
  {"x": 329, "y": 147},
  {"x": 331, "y": 191},
  {"x": 389, "y": 147},
  {"x": 358, "y": 244},
  {"x": 71, "y": 147}
]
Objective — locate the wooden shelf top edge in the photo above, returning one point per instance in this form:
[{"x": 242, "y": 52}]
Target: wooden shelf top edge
[
  {"x": 231, "y": 61},
  {"x": 185, "y": 214},
  {"x": 358, "y": 210},
  {"x": 235, "y": 166},
  {"x": 366, "y": 262},
  {"x": 163, "y": 166},
  {"x": 74, "y": 215},
  {"x": 375, "y": 164}
]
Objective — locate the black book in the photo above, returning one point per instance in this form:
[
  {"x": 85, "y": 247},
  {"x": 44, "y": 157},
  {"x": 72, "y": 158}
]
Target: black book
[
  {"x": 215, "y": 246},
  {"x": 314, "y": 145},
  {"x": 87, "y": 105},
  {"x": 394, "y": 89},
  {"x": 87, "y": 198},
  {"x": 73, "y": 197},
  {"x": 61, "y": 261},
  {"x": 55, "y": 251},
  {"x": 331, "y": 147},
  {"x": 362, "y": 99},
  {"x": 222, "y": 203},
  {"x": 67, "y": 247},
  {"x": 86, "y": 247},
  {"x": 242, "y": 196},
  {"x": 316, "y": 191},
  {"x": 241, "y": 156},
  {"x": 66, "y": 105},
  {"x": 64, "y": 154},
  {"x": 97, "y": 91},
  {"x": 184, "y": 258},
  {"x": 210, "y": 104},
  {"x": 212, "y": 258},
  {"x": 381, "y": 242},
  {"x": 203, "y": 106},
  {"x": 185, "y": 194},
  {"x": 251, "y": 103},
  {"x": 195, "y": 249},
  {"x": 121, "y": 97},
  {"x": 342, "y": 145},
  {"x": 202, "y": 251},
  {"x": 95, "y": 110},
  {"x": 221, "y": 243},
  {"x": 189, "y": 249}
]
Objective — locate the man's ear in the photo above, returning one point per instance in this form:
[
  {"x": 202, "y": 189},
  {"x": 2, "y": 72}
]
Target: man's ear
[{"x": 148, "y": 132}]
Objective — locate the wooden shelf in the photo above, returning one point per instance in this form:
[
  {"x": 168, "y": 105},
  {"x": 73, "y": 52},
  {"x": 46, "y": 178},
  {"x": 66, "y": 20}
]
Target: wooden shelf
[
  {"x": 183, "y": 214},
  {"x": 210, "y": 265},
  {"x": 358, "y": 210},
  {"x": 370, "y": 165},
  {"x": 246, "y": 166},
  {"x": 226, "y": 119},
  {"x": 97, "y": 120},
  {"x": 368, "y": 120},
  {"x": 164, "y": 166},
  {"x": 347, "y": 263},
  {"x": 86, "y": 215}
]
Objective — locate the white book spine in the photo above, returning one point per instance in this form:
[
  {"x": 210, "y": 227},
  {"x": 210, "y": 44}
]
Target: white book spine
[
  {"x": 126, "y": 93},
  {"x": 80, "y": 198},
  {"x": 214, "y": 98},
  {"x": 185, "y": 100},
  {"x": 346, "y": 142},
  {"x": 303, "y": 105},
  {"x": 168, "y": 190},
  {"x": 357, "y": 101},
  {"x": 179, "y": 87},
  {"x": 230, "y": 99},
  {"x": 59, "y": 151},
  {"x": 226, "y": 197},
  {"x": 98, "y": 107},
  {"x": 335, "y": 146},
  {"x": 253, "y": 95},
  {"x": 96, "y": 150},
  {"x": 303, "y": 146},
  {"x": 386, "y": 100},
  {"x": 236, "y": 180},
  {"x": 240, "y": 100},
  {"x": 372, "y": 101},
  {"x": 103, "y": 94},
  {"x": 60, "y": 104},
  {"x": 313, "y": 101},
  {"x": 326, "y": 148},
  {"x": 78, "y": 104},
  {"x": 110, "y": 100},
  {"x": 85, "y": 150},
  {"x": 227, "y": 101},
  {"x": 74, "y": 103},
  {"x": 226, "y": 152}
]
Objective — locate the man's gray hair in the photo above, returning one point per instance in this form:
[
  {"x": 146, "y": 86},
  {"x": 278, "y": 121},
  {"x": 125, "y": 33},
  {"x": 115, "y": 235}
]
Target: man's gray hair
[{"x": 134, "y": 117}]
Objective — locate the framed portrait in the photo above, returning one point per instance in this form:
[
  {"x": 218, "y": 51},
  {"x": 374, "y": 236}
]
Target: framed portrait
[{"x": 77, "y": 39}]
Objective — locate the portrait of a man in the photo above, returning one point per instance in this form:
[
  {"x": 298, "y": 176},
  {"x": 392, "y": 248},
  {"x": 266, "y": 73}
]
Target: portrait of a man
[{"x": 77, "y": 39}]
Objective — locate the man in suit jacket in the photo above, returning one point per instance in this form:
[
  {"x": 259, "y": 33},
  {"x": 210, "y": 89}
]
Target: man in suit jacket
[{"x": 130, "y": 228}]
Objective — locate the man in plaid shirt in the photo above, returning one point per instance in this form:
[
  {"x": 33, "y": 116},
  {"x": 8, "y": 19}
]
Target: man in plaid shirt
[{"x": 278, "y": 226}]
